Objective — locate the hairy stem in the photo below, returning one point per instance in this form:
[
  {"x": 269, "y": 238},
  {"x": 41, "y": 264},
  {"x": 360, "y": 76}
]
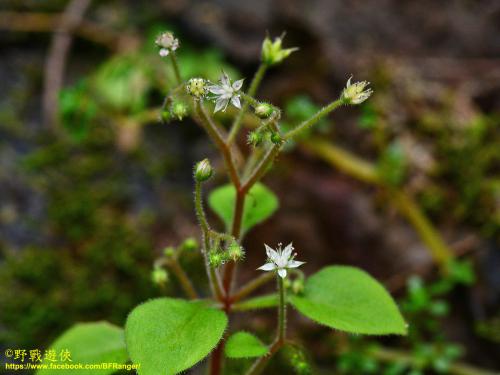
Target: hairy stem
[
  {"x": 211, "y": 128},
  {"x": 279, "y": 341},
  {"x": 175, "y": 65},
  {"x": 238, "y": 121},
  {"x": 183, "y": 278},
  {"x": 200, "y": 213},
  {"x": 261, "y": 167},
  {"x": 252, "y": 285},
  {"x": 314, "y": 119}
]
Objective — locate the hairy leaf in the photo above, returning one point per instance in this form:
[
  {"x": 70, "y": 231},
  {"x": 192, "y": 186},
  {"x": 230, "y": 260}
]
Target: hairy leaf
[
  {"x": 349, "y": 299},
  {"x": 260, "y": 203},
  {"x": 88, "y": 343},
  {"x": 167, "y": 336},
  {"x": 244, "y": 345}
]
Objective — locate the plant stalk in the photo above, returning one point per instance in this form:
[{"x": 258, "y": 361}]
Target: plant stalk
[{"x": 279, "y": 341}]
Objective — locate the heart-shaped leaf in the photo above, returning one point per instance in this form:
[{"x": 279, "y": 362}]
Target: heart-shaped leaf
[
  {"x": 349, "y": 299},
  {"x": 260, "y": 203},
  {"x": 166, "y": 336},
  {"x": 88, "y": 343},
  {"x": 244, "y": 345}
]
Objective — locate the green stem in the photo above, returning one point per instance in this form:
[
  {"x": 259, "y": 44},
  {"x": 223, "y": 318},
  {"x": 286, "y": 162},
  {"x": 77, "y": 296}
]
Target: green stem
[
  {"x": 314, "y": 119},
  {"x": 252, "y": 285},
  {"x": 259, "y": 365},
  {"x": 211, "y": 128},
  {"x": 251, "y": 92},
  {"x": 186, "y": 284},
  {"x": 200, "y": 213},
  {"x": 175, "y": 65},
  {"x": 261, "y": 168}
]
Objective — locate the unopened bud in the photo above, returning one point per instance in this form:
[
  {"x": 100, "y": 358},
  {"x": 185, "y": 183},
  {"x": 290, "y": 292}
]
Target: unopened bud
[
  {"x": 276, "y": 138},
  {"x": 255, "y": 138},
  {"x": 298, "y": 286},
  {"x": 216, "y": 258},
  {"x": 190, "y": 244},
  {"x": 203, "y": 170},
  {"x": 264, "y": 110},
  {"x": 179, "y": 109},
  {"x": 166, "y": 116},
  {"x": 235, "y": 251},
  {"x": 169, "y": 251},
  {"x": 159, "y": 276}
]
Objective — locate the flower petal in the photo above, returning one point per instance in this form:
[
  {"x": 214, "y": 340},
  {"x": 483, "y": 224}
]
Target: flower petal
[
  {"x": 267, "y": 267},
  {"x": 220, "y": 104},
  {"x": 237, "y": 85},
  {"x": 271, "y": 253},
  {"x": 224, "y": 79},
  {"x": 163, "y": 52},
  {"x": 236, "y": 101},
  {"x": 288, "y": 251},
  {"x": 216, "y": 89},
  {"x": 282, "y": 273},
  {"x": 294, "y": 263}
]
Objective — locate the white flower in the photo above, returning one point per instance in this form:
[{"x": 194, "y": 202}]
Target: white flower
[
  {"x": 167, "y": 42},
  {"x": 226, "y": 92},
  {"x": 280, "y": 260},
  {"x": 355, "y": 93}
]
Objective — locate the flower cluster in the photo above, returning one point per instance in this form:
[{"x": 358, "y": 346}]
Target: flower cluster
[
  {"x": 280, "y": 260},
  {"x": 167, "y": 43}
]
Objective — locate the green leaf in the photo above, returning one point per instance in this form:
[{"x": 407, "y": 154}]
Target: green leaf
[
  {"x": 260, "y": 203},
  {"x": 349, "y": 299},
  {"x": 244, "y": 345},
  {"x": 90, "y": 343},
  {"x": 167, "y": 336}
]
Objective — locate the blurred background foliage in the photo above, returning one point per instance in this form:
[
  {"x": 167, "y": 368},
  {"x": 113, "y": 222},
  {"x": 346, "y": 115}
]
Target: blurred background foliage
[{"x": 89, "y": 202}]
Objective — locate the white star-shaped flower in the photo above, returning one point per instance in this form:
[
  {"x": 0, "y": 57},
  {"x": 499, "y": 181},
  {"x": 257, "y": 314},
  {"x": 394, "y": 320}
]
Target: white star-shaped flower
[
  {"x": 355, "y": 93},
  {"x": 280, "y": 260},
  {"x": 226, "y": 92}
]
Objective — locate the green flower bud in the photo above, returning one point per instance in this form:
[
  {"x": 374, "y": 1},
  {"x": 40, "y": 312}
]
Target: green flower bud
[
  {"x": 264, "y": 110},
  {"x": 166, "y": 116},
  {"x": 216, "y": 258},
  {"x": 298, "y": 286},
  {"x": 169, "y": 251},
  {"x": 255, "y": 138},
  {"x": 190, "y": 244},
  {"x": 179, "y": 110},
  {"x": 159, "y": 276},
  {"x": 197, "y": 87},
  {"x": 273, "y": 53},
  {"x": 276, "y": 138},
  {"x": 203, "y": 170},
  {"x": 235, "y": 251}
]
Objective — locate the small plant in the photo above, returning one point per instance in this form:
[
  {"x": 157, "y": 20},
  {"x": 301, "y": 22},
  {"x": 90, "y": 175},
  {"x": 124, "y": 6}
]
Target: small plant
[{"x": 169, "y": 335}]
